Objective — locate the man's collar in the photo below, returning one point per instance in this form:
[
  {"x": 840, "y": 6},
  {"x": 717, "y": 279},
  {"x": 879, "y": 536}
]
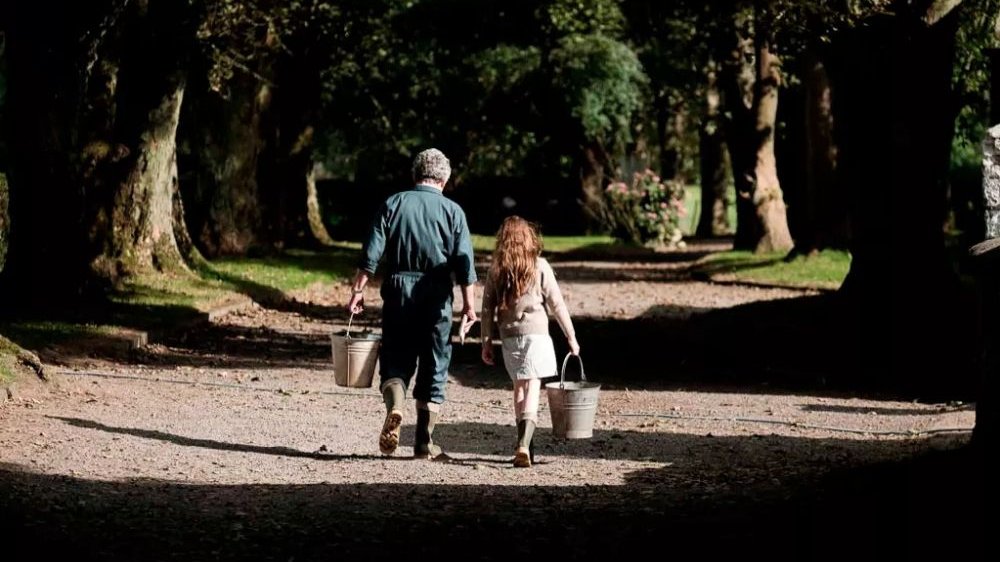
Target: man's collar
[{"x": 427, "y": 188}]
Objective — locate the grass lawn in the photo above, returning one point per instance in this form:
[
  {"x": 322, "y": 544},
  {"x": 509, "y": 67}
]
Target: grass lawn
[
  {"x": 226, "y": 279},
  {"x": 692, "y": 203},
  {"x": 8, "y": 358},
  {"x": 825, "y": 270},
  {"x": 149, "y": 302}
]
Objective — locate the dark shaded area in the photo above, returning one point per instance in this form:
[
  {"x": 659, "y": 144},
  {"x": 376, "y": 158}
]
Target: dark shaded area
[
  {"x": 348, "y": 207},
  {"x": 878, "y": 411},
  {"x": 925, "y": 508},
  {"x": 910, "y": 315}
]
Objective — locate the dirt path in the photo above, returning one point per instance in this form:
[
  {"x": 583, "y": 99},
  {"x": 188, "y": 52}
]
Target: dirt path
[{"x": 231, "y": 441}]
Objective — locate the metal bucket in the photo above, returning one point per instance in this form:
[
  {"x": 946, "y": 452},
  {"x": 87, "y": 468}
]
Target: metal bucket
[
  {"x": 354, "y": 357},
  {"x": 572, "y": 405}
]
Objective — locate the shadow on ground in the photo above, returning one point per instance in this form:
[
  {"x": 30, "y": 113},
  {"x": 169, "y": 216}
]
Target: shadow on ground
[
  {"x": 802, "y": 344},
  {"x": 930, "y": 507}
]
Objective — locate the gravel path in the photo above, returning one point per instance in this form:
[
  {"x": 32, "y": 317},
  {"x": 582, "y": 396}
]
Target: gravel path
[{"x": 232, "y": 441}]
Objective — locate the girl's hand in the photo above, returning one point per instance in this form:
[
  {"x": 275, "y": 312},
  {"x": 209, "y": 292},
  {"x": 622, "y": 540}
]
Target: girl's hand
[
  {"x": 488, "y": 354},
  {"x": 574, "y": 347}
]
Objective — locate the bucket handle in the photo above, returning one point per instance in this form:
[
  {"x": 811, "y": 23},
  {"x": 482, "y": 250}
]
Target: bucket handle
[
  {"x": 562, "y": 372},
  {"x": 349, "y": 321},
  {"x": 347, "y": 348}
]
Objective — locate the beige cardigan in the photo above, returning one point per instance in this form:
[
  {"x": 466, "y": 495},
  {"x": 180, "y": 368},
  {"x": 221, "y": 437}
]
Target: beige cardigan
[{"x": 528, "y": 316}]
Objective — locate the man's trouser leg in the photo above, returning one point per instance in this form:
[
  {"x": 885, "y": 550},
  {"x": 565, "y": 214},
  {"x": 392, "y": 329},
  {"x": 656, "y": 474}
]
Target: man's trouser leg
[
  {"x": 397, "y": 356},
  {"x": 432, "y": 374}
]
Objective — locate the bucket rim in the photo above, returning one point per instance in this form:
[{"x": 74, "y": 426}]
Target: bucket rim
[
  {"x": 356, "y": 336},
  {"x": 573, "y": 385}
]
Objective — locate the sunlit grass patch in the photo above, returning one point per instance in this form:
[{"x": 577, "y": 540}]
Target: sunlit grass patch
[
  {"x": 291, "y": 270},
  {"x": 823, "y": 270}
]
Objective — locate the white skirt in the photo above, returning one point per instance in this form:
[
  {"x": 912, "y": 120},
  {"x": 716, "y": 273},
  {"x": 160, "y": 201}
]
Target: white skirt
[{"x": 531, "y": 356}]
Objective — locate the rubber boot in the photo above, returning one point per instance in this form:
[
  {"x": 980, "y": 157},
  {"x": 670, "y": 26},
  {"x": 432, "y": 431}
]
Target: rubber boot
[
  {"x": 523, "y": 455},
  {"x": 424, "y": 447},
  {"x": 394, "y": 395}
]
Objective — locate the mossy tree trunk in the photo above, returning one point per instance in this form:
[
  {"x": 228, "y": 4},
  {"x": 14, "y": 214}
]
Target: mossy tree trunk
[
  {"x": 93, "y": 175},
  {"x": 133, "y": 230}
]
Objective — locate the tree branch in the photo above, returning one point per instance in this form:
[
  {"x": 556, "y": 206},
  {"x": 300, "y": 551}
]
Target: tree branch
[{"x": 937, "y": 10}]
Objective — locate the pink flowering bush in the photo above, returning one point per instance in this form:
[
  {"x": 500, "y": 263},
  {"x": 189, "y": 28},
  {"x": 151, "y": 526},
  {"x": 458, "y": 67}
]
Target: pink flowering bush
[{"x": 648, "y": 211}]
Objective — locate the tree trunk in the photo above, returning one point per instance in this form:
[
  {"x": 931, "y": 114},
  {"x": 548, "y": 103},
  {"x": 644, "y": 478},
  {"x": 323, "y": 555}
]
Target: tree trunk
[
  {"x": 739, "y": 76},
  {"x": 286, "y": 166},
  {"x": 823, "y": 222},
  {"x": 185, "y": 245},
  {"x": 767, "y": 198},
  {"x": 893, "y": 166},
  {"x": 671, "y": 118},
  {"x": 46, "y": 241},
  {"x": 141, "y": 235},
  {"x": 314, "y": 214},
  {"x": 225, "y": 142},
  {"x": 714, "y": 220},
  {"x": 592, "y": 169},
  {"x": 134, "y": 229}
]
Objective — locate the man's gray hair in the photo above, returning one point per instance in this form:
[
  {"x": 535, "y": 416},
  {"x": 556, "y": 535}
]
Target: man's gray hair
[{"x": 431, "y": 164}]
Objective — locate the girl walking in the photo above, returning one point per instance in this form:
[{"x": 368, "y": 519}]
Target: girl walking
[{"x": 519, "y": 286}]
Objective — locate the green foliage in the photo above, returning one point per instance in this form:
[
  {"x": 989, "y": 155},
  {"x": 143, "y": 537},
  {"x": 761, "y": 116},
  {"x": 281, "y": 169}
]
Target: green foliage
[
  {"x": 602, "y": 84},
  {"x": 8, "y": 360},
  {"x": 502, "y": 140},
  {"x": 971, "y": 78},
  {"x": 824, "y": 270},
  {"x": 583, "y": 17},
  {"x": 647, "y": 211},
  {"x": 500, "y": 68}
]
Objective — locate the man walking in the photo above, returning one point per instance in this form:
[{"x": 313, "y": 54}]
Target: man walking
[{"x": 424, "y": 240}]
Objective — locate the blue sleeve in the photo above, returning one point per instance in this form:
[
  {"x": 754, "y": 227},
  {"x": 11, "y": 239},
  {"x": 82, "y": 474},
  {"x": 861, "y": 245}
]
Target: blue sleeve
[
  {"x": 462, "y": 262},
  {"x": 371, "y": 252}
]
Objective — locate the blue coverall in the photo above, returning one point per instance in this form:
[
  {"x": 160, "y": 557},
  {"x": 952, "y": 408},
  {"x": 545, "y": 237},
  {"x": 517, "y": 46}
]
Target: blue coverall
[{"x": 424, "y": 238}]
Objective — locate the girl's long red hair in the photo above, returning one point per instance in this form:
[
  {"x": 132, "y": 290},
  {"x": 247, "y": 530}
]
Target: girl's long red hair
[{"x": 514, "y": 260}]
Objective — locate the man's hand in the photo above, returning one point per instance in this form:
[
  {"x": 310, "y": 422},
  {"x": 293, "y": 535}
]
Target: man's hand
[
  {"x": 488, "y": 353},
  {"x": 356, "y": 304},
  {"x": 465, "y": 325},
  {"x": 469, "y": 303},
  {"x": 470, "y": 315}
]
